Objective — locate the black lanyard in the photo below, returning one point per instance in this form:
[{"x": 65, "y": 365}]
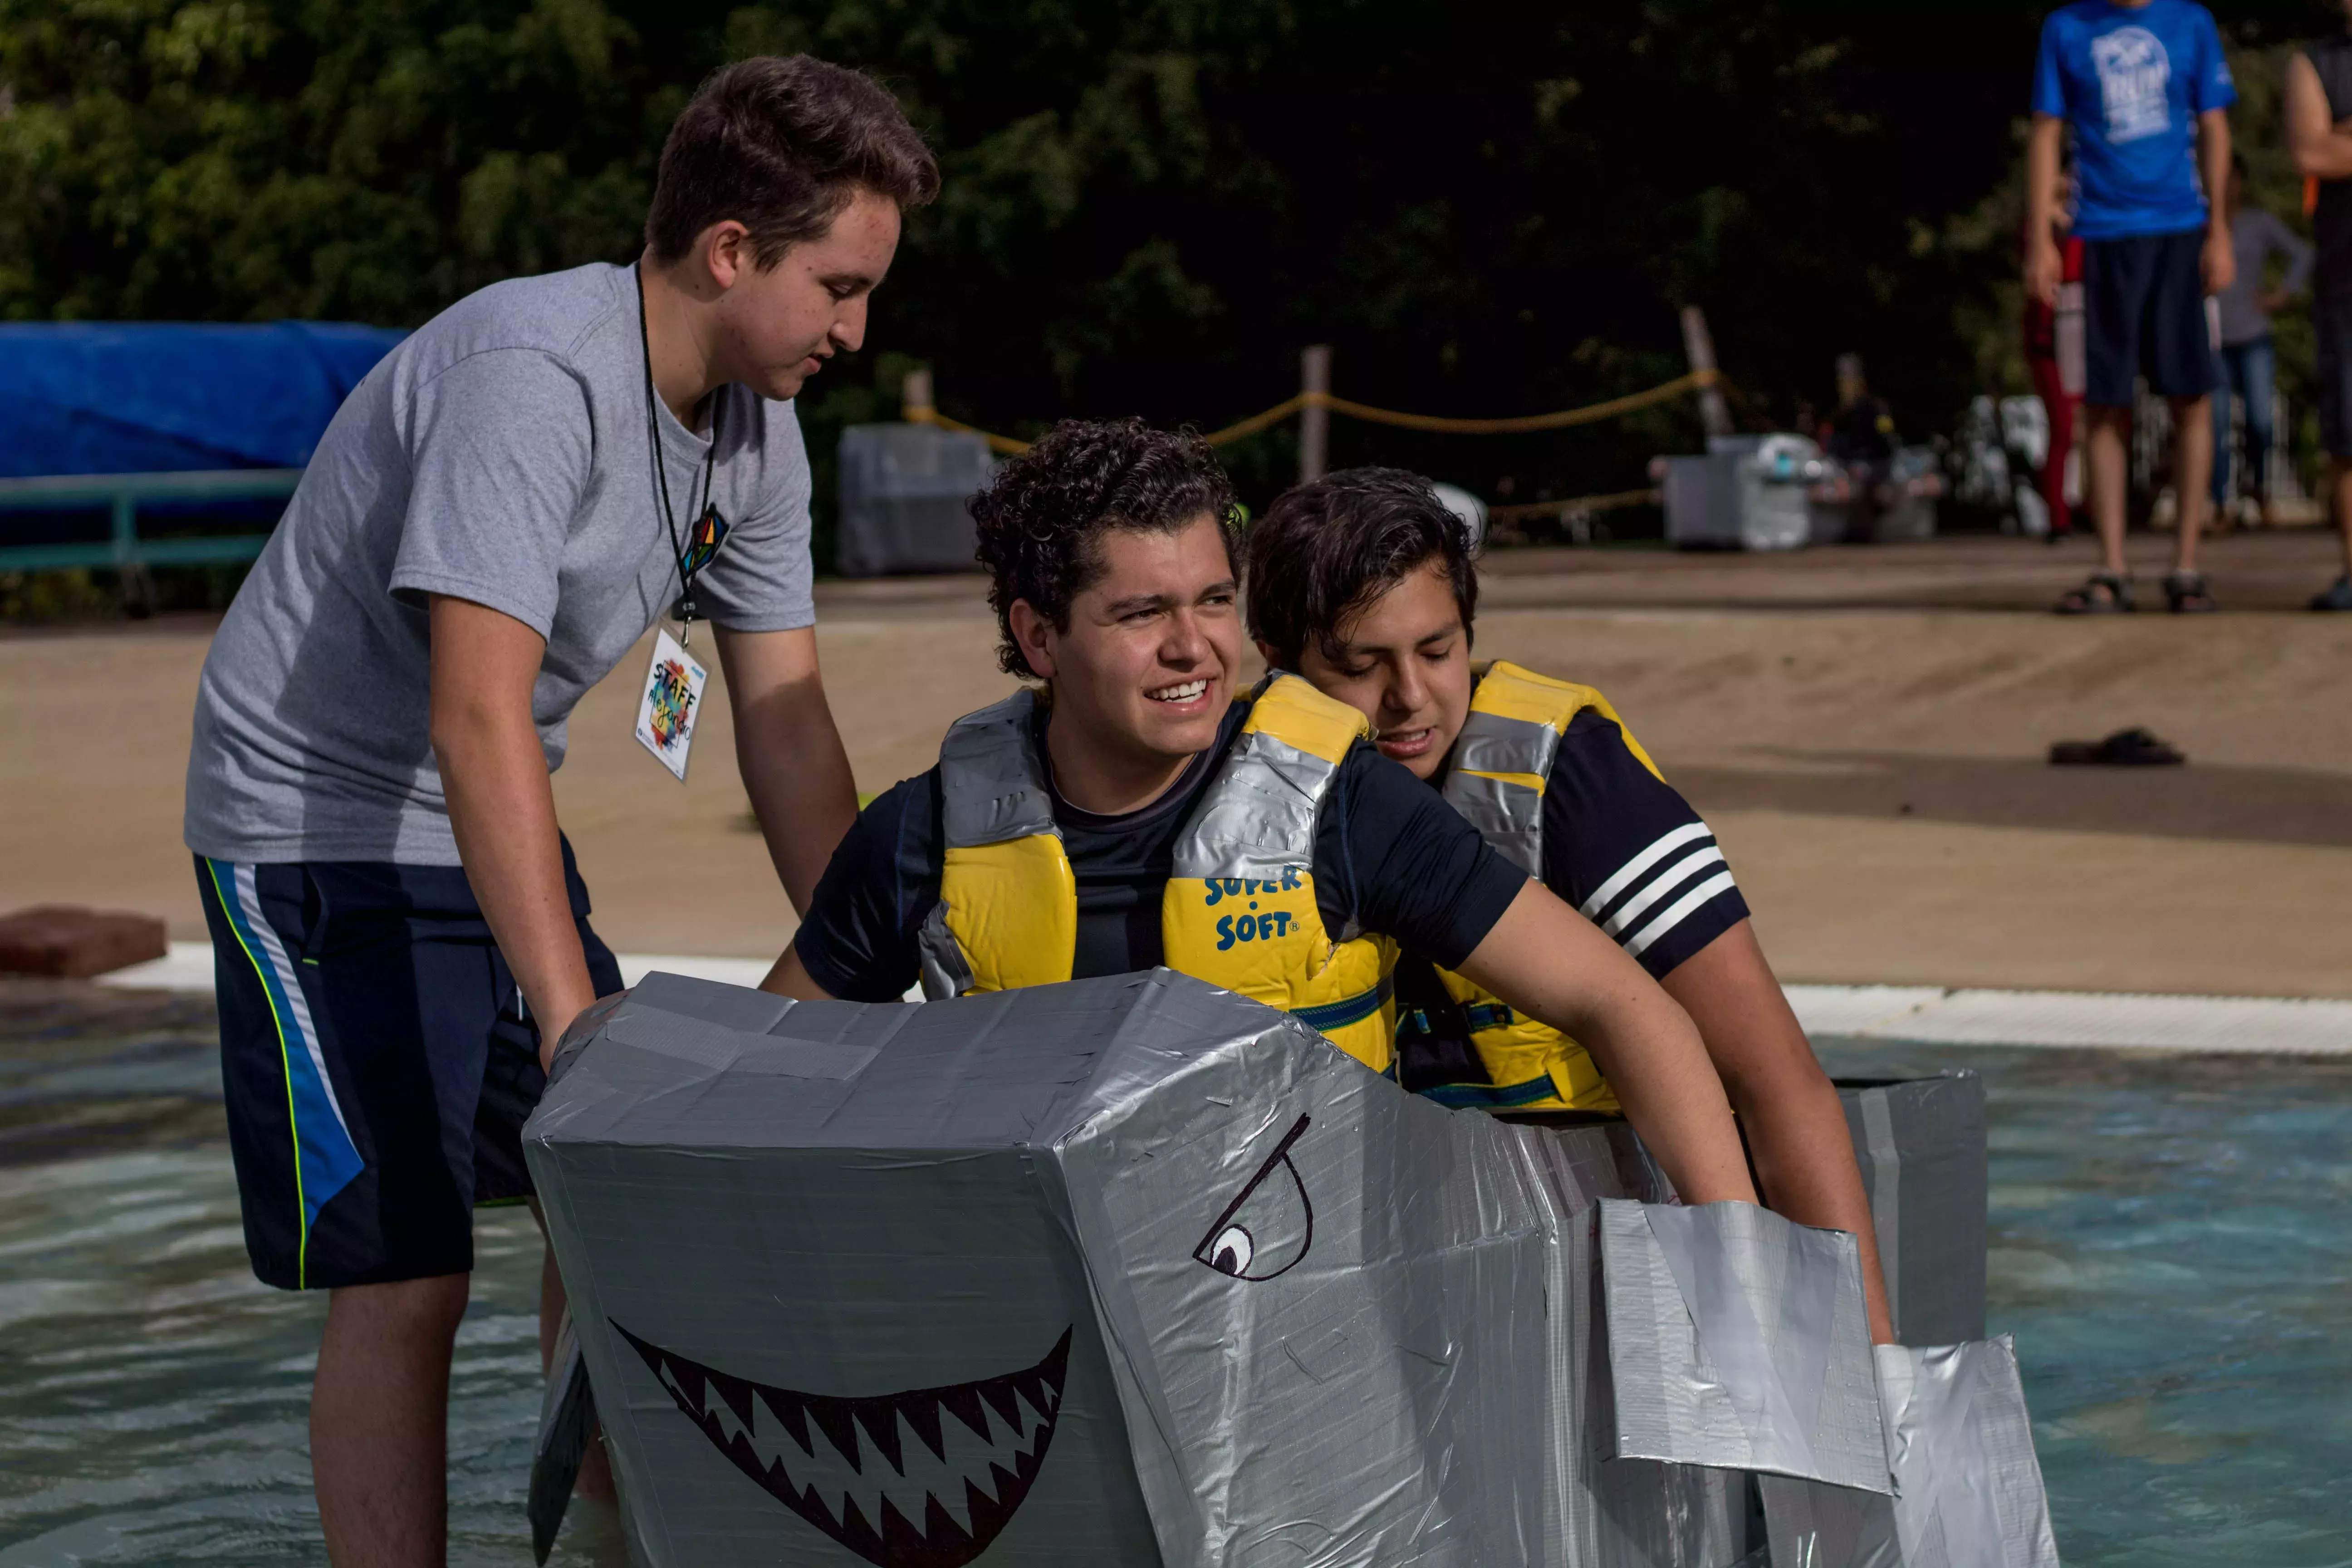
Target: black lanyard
[{"x": 685, "y": 610}]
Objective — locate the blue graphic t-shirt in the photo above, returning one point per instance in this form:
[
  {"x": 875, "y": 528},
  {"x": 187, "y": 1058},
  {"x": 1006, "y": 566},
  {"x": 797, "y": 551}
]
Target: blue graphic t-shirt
[{"x": 2131, "y": 79}]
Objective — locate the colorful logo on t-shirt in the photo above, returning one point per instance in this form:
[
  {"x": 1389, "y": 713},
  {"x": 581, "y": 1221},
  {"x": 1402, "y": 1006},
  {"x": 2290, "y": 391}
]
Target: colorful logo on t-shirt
[
  {"x": 2134, "y": 74},
  {"x": 671, "y": 704},
  {"x": 703, "y": 540}
]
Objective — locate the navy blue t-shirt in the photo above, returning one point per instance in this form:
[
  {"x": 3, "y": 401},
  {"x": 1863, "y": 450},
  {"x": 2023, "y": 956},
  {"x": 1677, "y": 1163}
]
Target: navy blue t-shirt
[
  {"x": 1390, "y": 857},
  {"x": 2131, "y": 80}
]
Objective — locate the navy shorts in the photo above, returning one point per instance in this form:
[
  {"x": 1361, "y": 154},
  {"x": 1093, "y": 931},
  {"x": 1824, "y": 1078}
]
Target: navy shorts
[
  {"x": 2144, "y": 312},
  {"x": 379, "y": 1063}
]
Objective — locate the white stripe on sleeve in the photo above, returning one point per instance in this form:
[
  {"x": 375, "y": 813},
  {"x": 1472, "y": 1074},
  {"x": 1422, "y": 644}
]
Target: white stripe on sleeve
[
  {"x": 1631, "y": 869},
  {"x": 1665, "y": 882},
  {"x": 1678, "y": 911}
]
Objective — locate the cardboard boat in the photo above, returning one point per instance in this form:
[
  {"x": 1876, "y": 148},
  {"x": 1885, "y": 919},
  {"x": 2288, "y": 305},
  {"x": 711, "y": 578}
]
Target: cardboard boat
[{"x": 1135, "y": 1270}]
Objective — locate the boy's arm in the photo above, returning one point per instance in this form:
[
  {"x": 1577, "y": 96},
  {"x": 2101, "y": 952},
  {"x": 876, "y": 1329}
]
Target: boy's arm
[
  {"x": 2220, "y": 261},
  {"x": 790, "y": 752},
  {"x": 1551, "y": 964},
  {"x": 2045, "y": 269},
  {"x": 2321, "y": 151},
  {"x": 501, "y": 807},
  {"x": 1796, "y": 1126},
  {"x": 789, "y": 978}
]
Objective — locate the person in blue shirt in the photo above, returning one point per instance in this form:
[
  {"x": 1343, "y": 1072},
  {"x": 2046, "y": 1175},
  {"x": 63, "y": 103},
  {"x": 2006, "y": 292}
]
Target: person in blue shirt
[{"x": 2145, "y": 91}]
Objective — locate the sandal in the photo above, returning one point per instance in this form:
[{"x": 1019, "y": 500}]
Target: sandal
[
  {"x": 2186, "y": 594},
  {"x": 2124, "y": 749},
  {"x": 2102, "y": 593}
]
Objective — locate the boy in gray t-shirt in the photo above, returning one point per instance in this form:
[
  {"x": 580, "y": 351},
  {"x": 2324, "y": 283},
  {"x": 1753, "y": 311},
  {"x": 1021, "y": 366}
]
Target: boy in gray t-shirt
[{"x": 500, "y": 510}]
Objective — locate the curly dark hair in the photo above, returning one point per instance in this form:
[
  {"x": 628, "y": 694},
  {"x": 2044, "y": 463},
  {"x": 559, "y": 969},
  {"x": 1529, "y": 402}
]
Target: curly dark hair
[
  {"x": 1041, "y": 516},
  {"x": 1325, "y": 549}
]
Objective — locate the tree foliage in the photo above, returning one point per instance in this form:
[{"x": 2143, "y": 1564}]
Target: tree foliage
[{"x": 1149, "y": 208}]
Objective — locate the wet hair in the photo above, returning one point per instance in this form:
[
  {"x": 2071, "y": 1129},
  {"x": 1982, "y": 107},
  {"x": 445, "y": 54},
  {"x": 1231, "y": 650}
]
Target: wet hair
[
  {"x": 1041, "y": 519},
  {"x": 782, "y": 145},
  {"x": 1325, "y": 550}
]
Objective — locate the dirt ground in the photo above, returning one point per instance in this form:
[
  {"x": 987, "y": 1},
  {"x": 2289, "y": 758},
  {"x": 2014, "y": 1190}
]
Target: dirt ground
[{"x": 1865, "y": 727}]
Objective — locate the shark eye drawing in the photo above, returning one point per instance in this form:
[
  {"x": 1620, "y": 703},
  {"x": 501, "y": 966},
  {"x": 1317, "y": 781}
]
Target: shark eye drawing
[
  {"x": 924, "y": 1478},
  {"x": 1270, "y": 1222}
]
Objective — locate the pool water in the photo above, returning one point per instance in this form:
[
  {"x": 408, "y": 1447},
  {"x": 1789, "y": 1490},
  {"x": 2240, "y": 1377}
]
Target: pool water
[{"x": 2172, "y": 1247}]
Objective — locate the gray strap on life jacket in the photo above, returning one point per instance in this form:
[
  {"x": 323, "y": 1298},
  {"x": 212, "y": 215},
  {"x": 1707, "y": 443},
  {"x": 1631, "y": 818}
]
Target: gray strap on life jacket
[
  {"x": 1508, "y": 816},
  {"x": 1258, "y": 816},
  {"x": 942, "y": 966},
  {"x": 992, "y": 787}
]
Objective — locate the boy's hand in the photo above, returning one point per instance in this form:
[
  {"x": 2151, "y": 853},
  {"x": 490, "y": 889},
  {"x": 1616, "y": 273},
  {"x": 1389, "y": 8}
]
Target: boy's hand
[
  {"x": 2220, "y": 262},
  {"x": 2045, "y": 269}
]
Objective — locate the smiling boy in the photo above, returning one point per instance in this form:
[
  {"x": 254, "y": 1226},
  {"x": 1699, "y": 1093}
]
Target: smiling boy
[
  {"x": 1363, "y": 582},
  {"x": 1140, "y": 811},
  {"x": 499, "y": 513}
]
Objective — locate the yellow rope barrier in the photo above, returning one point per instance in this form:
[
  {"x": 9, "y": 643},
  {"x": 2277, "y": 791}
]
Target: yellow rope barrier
[
  {"x": 1608, "y": 502},
  {"x": 916, "y": 414},
  {"x": 1517, "y": 425}
]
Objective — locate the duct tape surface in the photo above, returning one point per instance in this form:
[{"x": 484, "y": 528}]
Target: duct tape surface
[
  {"x": 1126, "y": 1270},
  {"x": 1921, "y": 1147},
  {"x": 1969, "y": 1490},
  {"x": 829, "y": 1308},
  {"x": 1738, "y": 1339}
]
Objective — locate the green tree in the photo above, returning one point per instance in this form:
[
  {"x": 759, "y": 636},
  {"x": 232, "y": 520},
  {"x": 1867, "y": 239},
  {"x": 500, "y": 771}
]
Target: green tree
[{"x": 1148, "y": 209}]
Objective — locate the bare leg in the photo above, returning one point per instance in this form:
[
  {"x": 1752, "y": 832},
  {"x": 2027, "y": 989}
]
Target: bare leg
[
  {"x": 2109, "y": 435},
  {"x": 2192, "y": 478},
  {"x": 380, "y": 1422}
]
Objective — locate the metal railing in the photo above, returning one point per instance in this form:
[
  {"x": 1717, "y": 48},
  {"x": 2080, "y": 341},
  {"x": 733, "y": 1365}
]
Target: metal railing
[{"x": 125, "y": 549}]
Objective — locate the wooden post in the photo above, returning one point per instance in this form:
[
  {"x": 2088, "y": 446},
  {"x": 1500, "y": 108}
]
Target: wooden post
[
  {"x": 1314, "y": 420},
  {"x": 1713, "y": 414},
  {"x": 915, "y": 397},
  {"x": 1850, "y": 387}
]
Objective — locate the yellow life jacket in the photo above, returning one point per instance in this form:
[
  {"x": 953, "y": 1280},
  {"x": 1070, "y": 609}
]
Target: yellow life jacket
[
  {"x": 1502, "y": 764},
  {"x": 1239, "y": 910}
]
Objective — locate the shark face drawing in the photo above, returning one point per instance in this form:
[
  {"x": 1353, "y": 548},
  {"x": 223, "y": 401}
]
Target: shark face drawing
[{"x": 925, "y": 1478}]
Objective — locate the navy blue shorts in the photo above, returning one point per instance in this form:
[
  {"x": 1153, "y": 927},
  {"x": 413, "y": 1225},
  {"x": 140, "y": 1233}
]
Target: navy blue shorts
[
  {"x": 379, "y": 1063},
  {"x": 2144, "y": 312}
]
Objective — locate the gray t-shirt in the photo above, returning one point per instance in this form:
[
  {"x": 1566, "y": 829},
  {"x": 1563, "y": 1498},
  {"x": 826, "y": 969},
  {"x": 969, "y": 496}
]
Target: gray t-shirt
[
  {"x": 2257, "y": 236},
  {"x": 498, "y": 455}
]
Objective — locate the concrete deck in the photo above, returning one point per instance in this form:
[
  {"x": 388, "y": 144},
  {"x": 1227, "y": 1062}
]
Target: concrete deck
[{"x": 1864, "y": 727}]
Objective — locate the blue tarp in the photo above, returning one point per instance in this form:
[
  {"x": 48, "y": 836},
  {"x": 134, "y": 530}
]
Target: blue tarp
[{"x": 127, "y": 397}]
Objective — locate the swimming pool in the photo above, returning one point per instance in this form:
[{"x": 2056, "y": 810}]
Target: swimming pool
[{"x": 2172, "y": 1247}]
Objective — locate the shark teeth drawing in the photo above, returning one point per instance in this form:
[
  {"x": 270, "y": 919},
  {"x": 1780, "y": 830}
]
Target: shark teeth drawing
[{"x": 925, "y": 1479}]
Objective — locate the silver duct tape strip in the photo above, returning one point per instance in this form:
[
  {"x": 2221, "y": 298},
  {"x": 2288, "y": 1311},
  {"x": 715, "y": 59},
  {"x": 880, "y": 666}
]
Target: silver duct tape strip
[
  {"x": 1506, "y": 815},
  {"x": 992, "y": 788},
  {"x": 1968, "y": 1486},
  {"x": 1886, "y": 1194},
  {"x": 1491, "y": 744},
  {"x": 1738, "y": 1340},
  {"x": 1969, "y": 1490},
  {"x": 1257, "y": 818}
]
